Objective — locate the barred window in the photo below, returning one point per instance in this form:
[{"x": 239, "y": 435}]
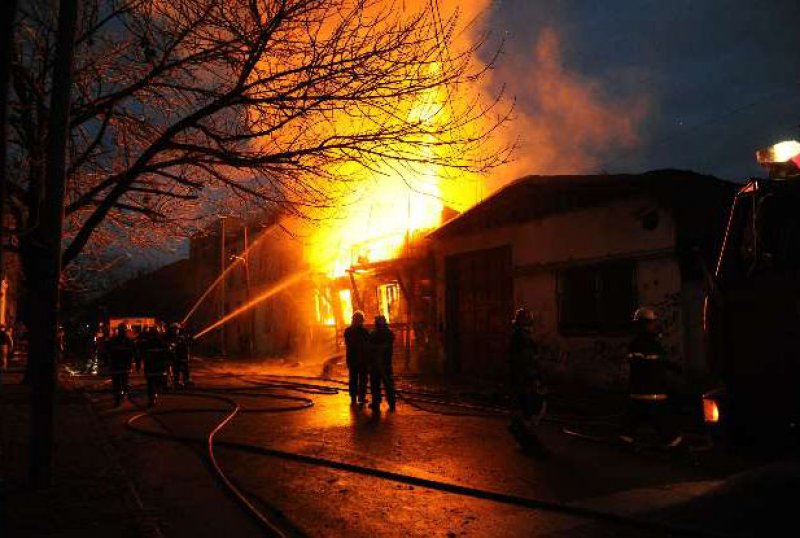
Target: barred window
[{"x": 596, "y": 298}]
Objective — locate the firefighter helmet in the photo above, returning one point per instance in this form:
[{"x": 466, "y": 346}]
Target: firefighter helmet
[
  {"x": 645, "y": 313},
  {"x": 380, "y": 321},
  {"x": 523, "y": 317},
  {"x": 358, "y": 317}
]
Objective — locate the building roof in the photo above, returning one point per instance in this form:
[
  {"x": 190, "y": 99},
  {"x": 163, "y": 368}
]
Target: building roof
[
  {"x": 699, "y": 204},
  {"x": 534, "y": 197}
]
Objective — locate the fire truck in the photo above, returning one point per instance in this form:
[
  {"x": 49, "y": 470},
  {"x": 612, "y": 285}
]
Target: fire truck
[
  {"x": 137, "y": 324},
  {"x": 752, "y": 309}
]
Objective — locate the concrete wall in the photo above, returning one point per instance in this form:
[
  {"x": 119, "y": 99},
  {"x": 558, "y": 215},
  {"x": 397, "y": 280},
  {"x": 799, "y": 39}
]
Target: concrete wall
[{"x": 612, "y": 232}]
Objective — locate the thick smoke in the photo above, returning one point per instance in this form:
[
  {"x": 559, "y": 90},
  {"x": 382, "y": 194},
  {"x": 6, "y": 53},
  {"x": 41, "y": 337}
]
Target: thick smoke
[{"x": 564, "y": 122}]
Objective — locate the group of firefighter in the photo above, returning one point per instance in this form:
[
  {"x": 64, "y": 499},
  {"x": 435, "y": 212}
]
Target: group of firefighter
[
  {"x": 162, "y": 351},
  {"x": 369, "y": 357},
  {"x": 648, "y": 392},
  {"x": 165, "y": 350}
]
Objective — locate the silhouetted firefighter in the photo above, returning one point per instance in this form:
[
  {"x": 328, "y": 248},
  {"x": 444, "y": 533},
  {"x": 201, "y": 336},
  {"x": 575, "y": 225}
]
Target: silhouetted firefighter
[
  {"x": 98, "y": 356},
  {"x": 121, "y": 353},
  {"x": 648, "y": 402},
  {"x": 381, "y": 347},
  {"x": 156, "y": 356},
  {"x": 180, "y": 346},
  {"x": 527, "y": 388},
  {"x": 356, "y": 339},
  {"x": 6, "y": 347}
]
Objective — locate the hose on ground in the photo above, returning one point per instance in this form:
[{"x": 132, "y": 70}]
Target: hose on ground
[{"x": 446, "y": 487}]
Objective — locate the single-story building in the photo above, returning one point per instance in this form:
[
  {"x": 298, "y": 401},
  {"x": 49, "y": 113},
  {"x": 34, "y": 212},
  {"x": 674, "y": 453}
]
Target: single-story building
[{"x": 582, "y": 252}]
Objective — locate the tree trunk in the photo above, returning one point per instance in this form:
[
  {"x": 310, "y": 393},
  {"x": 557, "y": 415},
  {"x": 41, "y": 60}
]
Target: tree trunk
[
  {"x": 8, "y": 14},
  {"x": 44, "y": 288}
]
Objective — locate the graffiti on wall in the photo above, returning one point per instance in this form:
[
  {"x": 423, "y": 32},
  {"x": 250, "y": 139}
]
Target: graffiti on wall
[
  {"x": 587, "y": 361},
  {"x": 601, "y": 360},
  {"x": 670, "y": 310}
]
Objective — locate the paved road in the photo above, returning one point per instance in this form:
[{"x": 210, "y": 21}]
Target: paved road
[{"x": 318, "y": 500}]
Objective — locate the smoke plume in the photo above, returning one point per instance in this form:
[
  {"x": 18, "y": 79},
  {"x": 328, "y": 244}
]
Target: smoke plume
[{"x": 565, "y": 122}]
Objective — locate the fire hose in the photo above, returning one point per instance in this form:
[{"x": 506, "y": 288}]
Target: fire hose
[{"x": 211, "y": 441}]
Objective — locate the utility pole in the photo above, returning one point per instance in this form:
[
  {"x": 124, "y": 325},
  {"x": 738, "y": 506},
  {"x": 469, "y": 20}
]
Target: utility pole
[
  {"x": 252, "y": 316},
  {"x": 222, "y": 257},
  {"x": 51, "y": 227}
]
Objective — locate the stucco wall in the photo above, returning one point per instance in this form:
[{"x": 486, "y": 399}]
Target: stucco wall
[{"x": 611, "y": 232}]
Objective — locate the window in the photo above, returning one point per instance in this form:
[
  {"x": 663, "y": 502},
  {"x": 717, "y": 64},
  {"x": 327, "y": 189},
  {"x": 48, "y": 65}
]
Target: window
[
  {"x": 389, "y": 301},
  {"x": 778, "y": 228},
  {"x": 596, "y": 298}
]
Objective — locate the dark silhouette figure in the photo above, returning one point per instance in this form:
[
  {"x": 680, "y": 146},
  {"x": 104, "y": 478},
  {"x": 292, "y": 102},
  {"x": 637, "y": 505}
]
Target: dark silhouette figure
[
  {"x": 156, "y": 355},
  {"x": 648, "y": 402},
  {"x": 121, "y": 354},
  {"x": 99, "y": 355},
  {"x": 381, "y": 347},
  {"x": 356, "y": 340},
  {"x": 180, "y": 346},
  {"x": 6, "y": 347},
  {"x": 526, "y": 386}
]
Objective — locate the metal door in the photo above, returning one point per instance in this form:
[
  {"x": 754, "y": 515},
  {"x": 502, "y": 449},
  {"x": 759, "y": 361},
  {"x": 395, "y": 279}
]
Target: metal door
[{"x": 479, "y": 306}]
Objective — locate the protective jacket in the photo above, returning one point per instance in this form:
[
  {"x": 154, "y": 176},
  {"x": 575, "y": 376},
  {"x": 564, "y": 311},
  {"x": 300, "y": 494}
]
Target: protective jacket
[
  {"x": 180, "y": 345},
  {"x": 522, "y": 357},
  {"x": 381, "y": 347},
  {"x": 356, "y": 339},
  {"x": 155, "y": 353},
  {"x": 648, "y": 368},
  {"x": 121, "y": 354}
]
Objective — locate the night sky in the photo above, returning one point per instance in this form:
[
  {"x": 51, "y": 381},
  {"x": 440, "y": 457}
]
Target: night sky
[
  {"x": 714, "y": 79},
  {"x": 721, "y": 78}
]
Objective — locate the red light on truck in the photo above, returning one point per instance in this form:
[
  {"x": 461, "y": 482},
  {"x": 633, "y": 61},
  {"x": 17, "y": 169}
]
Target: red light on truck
[{"x": 710, "y": 410}]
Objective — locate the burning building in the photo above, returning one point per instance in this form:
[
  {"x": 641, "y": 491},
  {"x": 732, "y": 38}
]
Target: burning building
[
  {"x": 239, "y": 263},
  {"x": 580, "y": 251},
  {"x": 399, "y": 288}
]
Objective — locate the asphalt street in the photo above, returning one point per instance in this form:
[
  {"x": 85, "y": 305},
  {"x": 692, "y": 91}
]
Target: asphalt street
[{"x": 307, "y": 462}]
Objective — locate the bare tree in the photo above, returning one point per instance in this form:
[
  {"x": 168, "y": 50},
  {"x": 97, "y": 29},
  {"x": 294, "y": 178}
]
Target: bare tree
[{"x": 181, "y": 104}]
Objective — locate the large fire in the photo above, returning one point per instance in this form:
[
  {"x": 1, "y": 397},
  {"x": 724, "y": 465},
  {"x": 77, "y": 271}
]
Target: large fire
[
  {"x": 391, "y": 205},
  {"x": 377, "y": 209}
]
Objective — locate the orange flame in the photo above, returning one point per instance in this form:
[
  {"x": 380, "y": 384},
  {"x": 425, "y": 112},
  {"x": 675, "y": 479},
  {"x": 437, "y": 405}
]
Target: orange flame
[{"x": 389, "y": 206}]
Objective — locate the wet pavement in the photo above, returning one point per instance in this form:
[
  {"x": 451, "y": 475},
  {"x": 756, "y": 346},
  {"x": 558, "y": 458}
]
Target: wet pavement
[{"x": 307, "y": 460}]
